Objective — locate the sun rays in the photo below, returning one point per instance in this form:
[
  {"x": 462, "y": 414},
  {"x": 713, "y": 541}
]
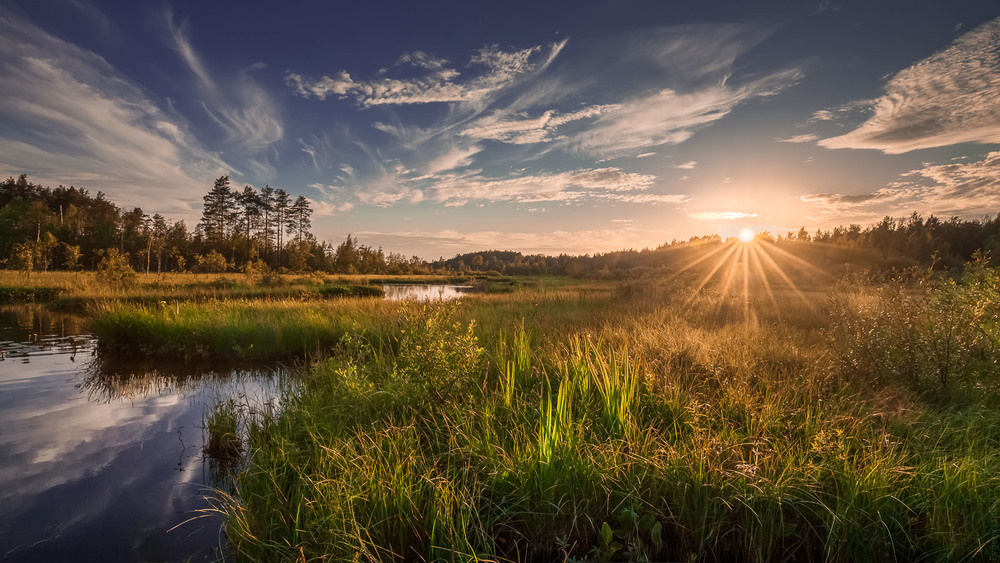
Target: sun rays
[{"x": 748, "y": 266}]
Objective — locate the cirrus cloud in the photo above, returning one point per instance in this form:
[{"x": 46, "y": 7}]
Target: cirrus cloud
[
  {"x": 439, "y": 83},
  {"x": 966, "y": 189},
  {"x": 950, "y": 97}
]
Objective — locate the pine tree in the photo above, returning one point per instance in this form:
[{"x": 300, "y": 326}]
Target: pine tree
[
  {"x": 219, "y": 213},
  {"x": 281, "y": 203},
  {"x": 300, "y": 216},
  {"x": 267, "y": 208},
  {"x": 251, "y": 209}
]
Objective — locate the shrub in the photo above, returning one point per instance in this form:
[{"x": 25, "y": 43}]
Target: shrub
[
  {"x": 941, "y": 334},
  {"x": 212, "y": 262},
  {"x": 114, "y": 269},
  {"x": 434, "y": 350}
]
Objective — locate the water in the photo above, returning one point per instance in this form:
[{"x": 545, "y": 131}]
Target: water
[
  {"x": 426, "y": 292},
  {"x": 104, "y": 461}
]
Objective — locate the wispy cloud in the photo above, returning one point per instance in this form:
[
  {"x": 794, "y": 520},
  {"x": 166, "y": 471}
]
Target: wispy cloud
[
  {"x": 439, "y": 81},
  {"x": 522, "y": 130},
  {"x": 457, "y": 157},
  {"x": 458, "y": 189},
  {"x": 948, "y": 98},
  {"x": 244, "y": 110},
  {"x": 600, "y": 183},
  {"x": 689, "y": 165},
  {"x": 69, "y": 117},
  {"x": 669, "y": 116},
  {"x": 967, "y": 189},
  {"x": 804, "y": 138}
]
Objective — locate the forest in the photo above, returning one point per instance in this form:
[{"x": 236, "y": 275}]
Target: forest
[{"x": 251, "y": 229}]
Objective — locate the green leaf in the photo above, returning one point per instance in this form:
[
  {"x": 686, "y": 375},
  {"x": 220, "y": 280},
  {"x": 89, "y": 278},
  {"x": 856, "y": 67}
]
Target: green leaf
[
  {"x": 606, "y": 535},
  {"x": 656, "y": 535}
]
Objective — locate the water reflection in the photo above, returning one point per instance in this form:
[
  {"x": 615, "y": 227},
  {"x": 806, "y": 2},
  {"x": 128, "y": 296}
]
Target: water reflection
[
  {"x": 100, "y": 458},
  {"x": 427, "y": 292}
]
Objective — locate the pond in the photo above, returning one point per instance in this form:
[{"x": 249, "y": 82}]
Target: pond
[
  {"x": 104, "y": 461},
  {"x": 427, "y": 292}
]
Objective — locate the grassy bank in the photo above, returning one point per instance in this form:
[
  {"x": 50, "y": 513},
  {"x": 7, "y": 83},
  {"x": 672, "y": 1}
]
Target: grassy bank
[
  {"x": 14, "y": 295},
  {"x": 199, "y": 320},
  {"x": 84, "y": 292},
  {"x": 642, "y": 424},
  {"x": 235, "y": 330}
]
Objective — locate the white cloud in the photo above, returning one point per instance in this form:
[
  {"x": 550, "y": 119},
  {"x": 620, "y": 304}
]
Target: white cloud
[
  {"x": 950, "y": 97},
  {"x": 645, "y": 154},
  {"x": 244, "y": 110},
  {"x": 71, "y": 118},
  {"x": 522, "y": 130},
  {"x": 669, "y": 116},
  {"x": 457, "y": 157},
  {"x": 454, "y": 189},
  {"x": 439, "y": 83},
  {"x": 967, "y": 189},
  {"x": 804, "y": 138},
  {"x": 689, "y": 165},
  {"x": 600, "y": 183}
]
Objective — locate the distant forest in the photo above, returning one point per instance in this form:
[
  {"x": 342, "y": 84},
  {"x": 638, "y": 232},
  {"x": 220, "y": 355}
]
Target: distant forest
[{"x": 251, "y": 229}]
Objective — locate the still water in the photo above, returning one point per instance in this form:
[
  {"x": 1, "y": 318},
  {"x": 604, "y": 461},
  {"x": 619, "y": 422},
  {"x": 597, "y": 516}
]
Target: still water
[
  {"x": 426, "y": 292},
  {"x": 104, "y": 461}
]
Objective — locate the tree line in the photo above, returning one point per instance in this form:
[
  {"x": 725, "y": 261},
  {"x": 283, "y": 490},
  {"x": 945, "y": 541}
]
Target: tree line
[
  {"x": 892, "y": 244},
  {"x": 246, "y": 228},
  {"x": 42, "y": 229}
]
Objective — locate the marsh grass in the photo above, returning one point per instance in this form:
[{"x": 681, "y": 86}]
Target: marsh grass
[
  {"x": 242, "y": 329},
  {"x": 602, "y": 425},
  {"x": 86, "y": 292}
]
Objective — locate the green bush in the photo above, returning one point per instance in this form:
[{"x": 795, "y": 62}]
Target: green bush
[
  {"x": 114, "y": 269},
  {"x": 436, "y": 351},
  {"x": 939, "y": 335}
]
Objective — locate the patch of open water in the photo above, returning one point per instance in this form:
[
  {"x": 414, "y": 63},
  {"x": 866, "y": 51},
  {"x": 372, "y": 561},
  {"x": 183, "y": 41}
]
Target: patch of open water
[
  {"x": 426, "y": 292},
  {"x": 103, "y": 460}
]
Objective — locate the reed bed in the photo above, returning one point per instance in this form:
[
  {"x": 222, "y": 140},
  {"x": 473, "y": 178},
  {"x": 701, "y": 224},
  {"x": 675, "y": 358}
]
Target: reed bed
[{"x": 599, "y": 425}]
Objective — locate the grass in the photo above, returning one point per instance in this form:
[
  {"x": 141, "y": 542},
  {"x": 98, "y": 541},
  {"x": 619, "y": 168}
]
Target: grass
[
  {"x": 83, "y": 292},
  {"x": 234, "y": 330},
  {"x": 11, "y": 295},
  {"x": 647, "y": 424}
]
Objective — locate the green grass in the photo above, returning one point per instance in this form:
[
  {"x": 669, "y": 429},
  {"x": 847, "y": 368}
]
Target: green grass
[
  {"x": 245, "y": 329},
  {"x": 585, "y": 423}
]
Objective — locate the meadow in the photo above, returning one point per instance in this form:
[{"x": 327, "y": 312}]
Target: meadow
[{"x": 642, "y": 420}]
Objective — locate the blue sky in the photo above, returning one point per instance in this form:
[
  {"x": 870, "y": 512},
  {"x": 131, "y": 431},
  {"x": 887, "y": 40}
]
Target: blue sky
[{"x": 435, "y": 128}]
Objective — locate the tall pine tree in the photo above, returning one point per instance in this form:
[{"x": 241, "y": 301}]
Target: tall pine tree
[{"x": 219, "y": 214}]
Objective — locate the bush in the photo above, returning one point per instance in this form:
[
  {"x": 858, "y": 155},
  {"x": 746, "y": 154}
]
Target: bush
[
  {"x": 212, "y": 262},
  {"x": 114, "y": 269},
  {"x": 938, "y": 335},
  {"x": 434, "y": 350}
]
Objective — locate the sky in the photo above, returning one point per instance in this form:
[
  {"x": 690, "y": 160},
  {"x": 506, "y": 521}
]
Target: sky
[{"x": 437, "y": 128}]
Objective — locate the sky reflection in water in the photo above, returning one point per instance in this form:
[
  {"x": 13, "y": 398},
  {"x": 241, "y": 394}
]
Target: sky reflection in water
[{"x": 97, "y": 460}]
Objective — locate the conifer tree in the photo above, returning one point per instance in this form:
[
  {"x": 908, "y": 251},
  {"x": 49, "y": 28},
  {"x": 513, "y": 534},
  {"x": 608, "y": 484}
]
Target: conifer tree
[{"x": 219, "y": 213}]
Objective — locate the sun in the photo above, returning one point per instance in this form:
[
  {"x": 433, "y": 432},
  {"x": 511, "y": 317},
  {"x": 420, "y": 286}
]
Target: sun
[{"x": 746, "y": 235}]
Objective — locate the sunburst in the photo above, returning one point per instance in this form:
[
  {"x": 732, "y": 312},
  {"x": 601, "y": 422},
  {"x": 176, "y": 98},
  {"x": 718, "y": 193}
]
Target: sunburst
[{"x": 747, "y": 261}]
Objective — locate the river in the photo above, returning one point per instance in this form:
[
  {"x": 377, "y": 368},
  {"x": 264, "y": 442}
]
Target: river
[{"x": 104, "y": 461}]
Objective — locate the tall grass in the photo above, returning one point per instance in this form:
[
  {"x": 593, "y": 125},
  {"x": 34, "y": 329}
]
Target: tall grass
[
  {"x": 591, "y": 426},
  {"x": 246, "y": 329}
]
